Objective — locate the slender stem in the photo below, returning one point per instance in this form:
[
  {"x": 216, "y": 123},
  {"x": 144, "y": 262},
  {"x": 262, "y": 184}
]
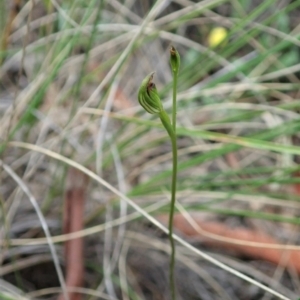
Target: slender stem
[
  {"x": 150, "y": 101},
  {"x": 174, "y": 106},
  {"x": 171, "y": 216},
  {"x": 172, "y": 133},
  {"x": 174, "y": 183}
]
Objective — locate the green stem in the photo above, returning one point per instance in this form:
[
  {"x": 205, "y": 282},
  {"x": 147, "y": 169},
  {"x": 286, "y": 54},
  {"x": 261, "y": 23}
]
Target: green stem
[
  {"x": 174, "y": 107},
  {"x": 174, "y": 180},
  {"x": 171, "y": 216},
  {"x": 166, "y": 122},
  {"x": 150, "y": 101}
]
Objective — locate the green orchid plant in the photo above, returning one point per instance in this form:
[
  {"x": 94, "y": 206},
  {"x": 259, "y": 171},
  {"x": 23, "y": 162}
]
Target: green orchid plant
[{"x": 149, "y": 99}]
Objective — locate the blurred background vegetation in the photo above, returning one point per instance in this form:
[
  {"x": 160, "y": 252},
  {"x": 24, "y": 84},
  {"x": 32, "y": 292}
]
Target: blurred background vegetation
[{"x": 69, "y": 76}]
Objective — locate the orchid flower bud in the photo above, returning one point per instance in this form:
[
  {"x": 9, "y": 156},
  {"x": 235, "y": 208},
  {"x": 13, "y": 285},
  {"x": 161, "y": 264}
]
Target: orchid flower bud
[
  {"x": 174, "y": 59},
  {"x": 148, "y": 96}
]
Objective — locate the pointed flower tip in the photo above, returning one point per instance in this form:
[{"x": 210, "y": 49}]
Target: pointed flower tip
[
  {"x": 174, "y": 59},
  {"x": 151, "y": 75}
]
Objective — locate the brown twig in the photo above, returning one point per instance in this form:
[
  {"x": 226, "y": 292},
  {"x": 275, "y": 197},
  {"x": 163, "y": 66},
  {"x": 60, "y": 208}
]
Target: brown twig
[
  {"x": 217, "y": 229},
  {"x": 73, "y": 221}
]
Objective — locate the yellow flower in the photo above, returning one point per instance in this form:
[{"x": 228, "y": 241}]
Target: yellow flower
[{"x": 217, "y": 36}]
